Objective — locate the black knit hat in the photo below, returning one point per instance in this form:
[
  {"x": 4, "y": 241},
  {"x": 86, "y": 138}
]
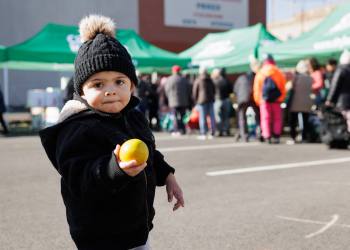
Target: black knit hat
[{"x": 100, "y": 51}]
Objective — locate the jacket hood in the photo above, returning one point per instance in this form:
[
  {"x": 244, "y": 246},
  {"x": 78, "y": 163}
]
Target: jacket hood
[{"x": 71, "y": 108}]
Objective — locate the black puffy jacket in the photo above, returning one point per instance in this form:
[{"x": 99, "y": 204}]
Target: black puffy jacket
[{"x": 104, "y": 212}]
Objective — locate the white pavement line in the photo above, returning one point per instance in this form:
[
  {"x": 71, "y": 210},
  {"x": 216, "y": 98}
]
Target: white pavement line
[
  {"x": 213, "y": 146},
  {"x": 279, "y": 166},
  {"x": 301, "y": 220},
  {"x": 172, "y": 138},
  {"x": 334, "y": 219},
  {"x": 310, "y": 221},
  {"x": 327, "y": 225}
]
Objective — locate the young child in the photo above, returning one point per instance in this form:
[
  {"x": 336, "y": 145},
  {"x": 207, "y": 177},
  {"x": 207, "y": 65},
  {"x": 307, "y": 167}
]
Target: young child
[{"x": 109, "y": 203}]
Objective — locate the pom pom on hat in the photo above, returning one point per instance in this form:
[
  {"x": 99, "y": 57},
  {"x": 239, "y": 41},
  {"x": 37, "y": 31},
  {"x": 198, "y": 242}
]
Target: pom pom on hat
[{"x": 92, "y": 25}]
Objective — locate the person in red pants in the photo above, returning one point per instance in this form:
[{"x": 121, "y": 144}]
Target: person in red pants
[{"x": 269, "y": 91}]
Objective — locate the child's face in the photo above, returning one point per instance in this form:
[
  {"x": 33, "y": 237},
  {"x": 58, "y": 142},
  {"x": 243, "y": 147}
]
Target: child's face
[{"x": 108, "y": 91}]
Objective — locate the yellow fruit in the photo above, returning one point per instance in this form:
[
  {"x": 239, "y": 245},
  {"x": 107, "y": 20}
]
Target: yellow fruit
[{"x": 134, "y": 149}]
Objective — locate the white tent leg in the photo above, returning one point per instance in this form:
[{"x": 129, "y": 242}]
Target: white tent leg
[{"x": 6, "y": 85}]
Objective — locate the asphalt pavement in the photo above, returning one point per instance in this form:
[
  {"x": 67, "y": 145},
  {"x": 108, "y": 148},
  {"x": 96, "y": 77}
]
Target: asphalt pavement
[{"x": 238, "y": 196}]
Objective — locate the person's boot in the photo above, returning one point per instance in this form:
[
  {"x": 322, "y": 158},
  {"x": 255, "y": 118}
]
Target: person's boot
[
  {"x": 269, "y": 140},
  {"x": 276, "y": 139},
  {"x": 5, "y": 131},
  {"x": 261, "y": 139},
  {"x": 237, "y": 137}
]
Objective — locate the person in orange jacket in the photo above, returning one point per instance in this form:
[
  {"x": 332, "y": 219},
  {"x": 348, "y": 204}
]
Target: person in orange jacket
[{"x": 270, "y": 108}]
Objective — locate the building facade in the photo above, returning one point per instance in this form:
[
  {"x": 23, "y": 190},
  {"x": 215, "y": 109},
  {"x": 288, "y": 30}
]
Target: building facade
[
  {"x": 299, "y": 23},
  {"x": 177, "y": 27},
  {"x": 173, "y": 25}
]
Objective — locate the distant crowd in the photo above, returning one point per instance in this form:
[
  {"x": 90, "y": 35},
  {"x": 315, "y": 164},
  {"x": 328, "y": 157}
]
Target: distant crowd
[{"x": 258, "y": 104}]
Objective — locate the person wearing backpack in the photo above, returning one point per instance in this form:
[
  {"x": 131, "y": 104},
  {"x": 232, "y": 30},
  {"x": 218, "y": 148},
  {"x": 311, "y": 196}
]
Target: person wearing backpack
[{"x": 269, "y": 91}]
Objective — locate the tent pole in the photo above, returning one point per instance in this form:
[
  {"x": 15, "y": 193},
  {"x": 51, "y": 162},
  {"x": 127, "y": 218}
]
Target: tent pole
[{"x": 6, "y": 85}]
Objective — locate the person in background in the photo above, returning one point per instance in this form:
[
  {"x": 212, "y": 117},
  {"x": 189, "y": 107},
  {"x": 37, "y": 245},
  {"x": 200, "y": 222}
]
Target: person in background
[
  {"x": 300, "y": 101},
  {"x": 269, "y": 92},
  {"x": 162, "y": 98},
  {"x": 204, "y": 96},
  {"x": 178, "y": 92},
  {"x": 69, "y": 91},
  {"x": 143, "y": 92},
  {"x": 153, "y": 103},
  {"x": 163, "y": 104},
  {"x": 339, "y": 92},
  {"x": 223, "y": 104},
  {"x": 243, "y": 90},
  {"x": 315, "y": 72},
  {"x": 5, "y": 130},
  {"x": 331, "y": 66}
]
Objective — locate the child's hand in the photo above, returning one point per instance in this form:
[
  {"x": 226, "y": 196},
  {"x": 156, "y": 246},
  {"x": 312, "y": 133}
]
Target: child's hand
[
  {"x": 130, "y": 167},
  {"x": 173, "y": 189}
]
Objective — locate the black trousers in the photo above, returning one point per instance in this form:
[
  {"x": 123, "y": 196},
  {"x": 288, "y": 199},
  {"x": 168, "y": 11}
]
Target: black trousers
[
  {"x": 3, "y": 124},
  {"x": 242, "y": 120},
  {"x": 179, "y": 113},
  {"x": 293, "y": 122}
]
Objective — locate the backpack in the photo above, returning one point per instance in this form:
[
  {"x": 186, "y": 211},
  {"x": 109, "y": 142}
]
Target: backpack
[{"x": 270, "y": 91}]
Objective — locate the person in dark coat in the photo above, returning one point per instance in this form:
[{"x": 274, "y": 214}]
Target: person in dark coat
[
  {"x": 2, "y": 111},
  {"x": 330, "y": 68},
  {"x": 243, "y": 90},
  {"x": 69, "y": 91},
  {"x": 203, "y": 91},
  {"x": 153, "y": 104},
  {"x": 178, "y": 92},
  {"x": 222, "y": 104},
  {"x": 109, "y": 203},
  {"x": 339, "y": 93},
  {"x": 300, "y": 103},
  {"x": 143, "y": 92}
]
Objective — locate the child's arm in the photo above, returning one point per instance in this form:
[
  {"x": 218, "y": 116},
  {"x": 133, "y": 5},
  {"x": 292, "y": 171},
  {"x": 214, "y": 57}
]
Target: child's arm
[
  {"x": 164, "y": 172},
  {"x": 173, "y": 190},
  {"x": 165, "y": 175}
]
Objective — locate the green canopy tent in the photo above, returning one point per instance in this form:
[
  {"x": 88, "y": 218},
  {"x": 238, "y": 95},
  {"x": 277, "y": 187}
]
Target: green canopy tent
[
  {"x": 3, "y": 59},
  {"x": 55, "y": 47},
  {"x": 2, "y": 54},
  {"x": 230, "y": 49},
  {"x": 326, "y": 40},
  {"x": 148, "y": 58}
]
